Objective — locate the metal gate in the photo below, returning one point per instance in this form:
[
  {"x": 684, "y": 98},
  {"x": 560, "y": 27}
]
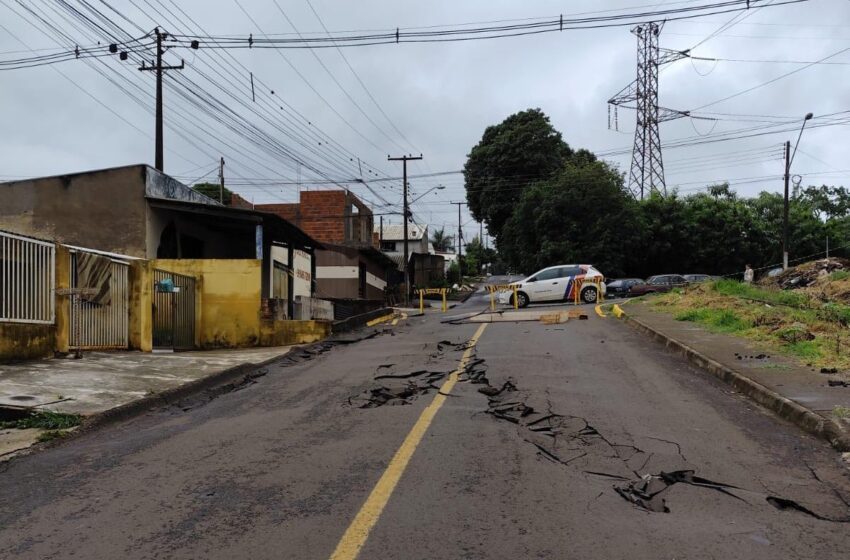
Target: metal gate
[
  {"x": 173, "y": 310},
  {"x": 102, "y": 326}
]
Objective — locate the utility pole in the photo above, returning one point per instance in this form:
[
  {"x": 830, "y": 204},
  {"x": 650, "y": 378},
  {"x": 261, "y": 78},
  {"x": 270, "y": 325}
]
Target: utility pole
[
  {"x": 785, "y": 207},
  {"x": 221, "y": 181},
  {"x": 381, "y": 234},
  {"x": 159, "y": 69},
  {"x": 406, "y": 212},
  {"x": 459, "y": 239}
]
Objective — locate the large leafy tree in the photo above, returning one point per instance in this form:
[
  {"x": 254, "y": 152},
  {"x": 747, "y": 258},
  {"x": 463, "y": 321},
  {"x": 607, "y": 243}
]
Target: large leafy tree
[
  {"x": 582, "y": 215},
  {"x": 519, "y": 151}
]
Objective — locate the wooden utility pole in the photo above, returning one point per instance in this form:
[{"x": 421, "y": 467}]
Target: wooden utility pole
[
  {"x": 406, "y": 212},
  {"x": 159, "y": 69}
]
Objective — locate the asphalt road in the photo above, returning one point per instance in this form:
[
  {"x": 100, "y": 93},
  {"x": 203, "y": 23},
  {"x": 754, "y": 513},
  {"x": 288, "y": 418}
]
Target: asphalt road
[{"x": 550, "y": 467}]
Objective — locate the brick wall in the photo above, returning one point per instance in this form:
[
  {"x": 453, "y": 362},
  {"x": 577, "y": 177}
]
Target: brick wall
[
  {"x": 237, "y": 201},
  {"x": 288, "y": 212},
  {"x": 322, "y": 216}
]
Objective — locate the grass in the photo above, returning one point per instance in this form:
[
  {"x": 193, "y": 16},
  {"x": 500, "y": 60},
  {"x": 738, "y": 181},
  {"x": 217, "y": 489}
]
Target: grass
[
  {"x": 50, "y": 435},
  {"x": 719, "y": 320},
  {"x": 794, "y": 323},
  {"x": 45, "y": 420},
  {"x": 806, "y": 349},
  {"x": 748, "y": 291},
  {"x": 841, "y": 412},
  {"x": 840, "y": 275}
]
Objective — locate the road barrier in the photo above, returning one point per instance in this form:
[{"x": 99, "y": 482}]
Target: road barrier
[
  {"x": 495, "y": 288},
  {"x": 426, "y": 291},
  {"x": 597, "y": 280}
]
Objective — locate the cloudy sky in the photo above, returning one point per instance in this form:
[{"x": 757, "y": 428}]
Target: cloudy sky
[{"x": 331, "y": 109}]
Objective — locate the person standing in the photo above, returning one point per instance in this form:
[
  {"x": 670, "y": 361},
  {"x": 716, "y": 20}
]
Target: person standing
[{"x": 748, "y": 274}]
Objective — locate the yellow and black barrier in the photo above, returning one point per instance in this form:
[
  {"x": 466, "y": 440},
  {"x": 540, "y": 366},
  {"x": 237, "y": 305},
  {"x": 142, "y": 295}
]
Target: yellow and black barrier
[
  {"x": 496, "y": 288},
  {"x": 580, "y": 282},
  {"x": 426, "y": 291}
]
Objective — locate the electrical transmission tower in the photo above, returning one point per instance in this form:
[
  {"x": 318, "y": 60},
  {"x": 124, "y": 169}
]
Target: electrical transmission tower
[{"x": 647, "y": 170}]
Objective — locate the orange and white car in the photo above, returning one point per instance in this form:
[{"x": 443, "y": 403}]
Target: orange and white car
[{"x": 558, "y": 283}]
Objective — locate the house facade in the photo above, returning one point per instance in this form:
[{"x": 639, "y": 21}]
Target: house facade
[
  {"x": 350, "y": 271},
  {"x": 176, "y": 268}
]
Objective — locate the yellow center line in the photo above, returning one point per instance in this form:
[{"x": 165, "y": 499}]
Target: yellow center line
[{"x": 358, "y": 532}]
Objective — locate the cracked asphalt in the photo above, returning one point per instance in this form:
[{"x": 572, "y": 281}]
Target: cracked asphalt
[{"x": 581, "y": 440}]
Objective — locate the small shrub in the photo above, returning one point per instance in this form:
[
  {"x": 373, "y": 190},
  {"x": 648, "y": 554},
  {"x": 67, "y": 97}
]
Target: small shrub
[{"x": 840, "y": 275}]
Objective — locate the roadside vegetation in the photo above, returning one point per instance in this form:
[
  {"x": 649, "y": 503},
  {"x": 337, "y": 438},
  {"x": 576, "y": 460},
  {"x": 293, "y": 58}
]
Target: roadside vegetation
[
  {"x": 795, "y": 322},
  {"x": 44, "y": 420},
  {"x": 546, "y": 202}
]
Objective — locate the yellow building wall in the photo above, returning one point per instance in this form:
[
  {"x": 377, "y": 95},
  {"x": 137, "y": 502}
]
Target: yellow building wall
[
  {"x": 63, "y": 303},
  {"x": 140, "y": 319},
  {"x": 227, "y": 299},
  {"x": 287, "y": 333}
]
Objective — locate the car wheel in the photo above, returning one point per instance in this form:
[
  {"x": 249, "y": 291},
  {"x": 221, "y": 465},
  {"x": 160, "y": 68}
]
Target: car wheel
[
  {"x": 522, "y": 299},
  {"x": 589, "y": 295}
]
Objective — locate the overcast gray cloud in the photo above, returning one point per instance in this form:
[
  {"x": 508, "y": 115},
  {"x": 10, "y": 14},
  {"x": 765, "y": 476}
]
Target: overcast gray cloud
[{"x": 70, "y": 116}]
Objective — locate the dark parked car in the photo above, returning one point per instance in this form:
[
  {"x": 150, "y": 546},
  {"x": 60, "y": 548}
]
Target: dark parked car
[
  {"x": 658, "y": 284},
  {"x": 621, "y": 286},
  {"x": 697, "y": 278}
]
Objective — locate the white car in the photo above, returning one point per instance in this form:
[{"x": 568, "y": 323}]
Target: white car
[{"x": 557, "y": 283}]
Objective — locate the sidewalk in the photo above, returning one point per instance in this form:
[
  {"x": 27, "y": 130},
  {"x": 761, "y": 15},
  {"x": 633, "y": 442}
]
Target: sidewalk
[
  {"x": 767, "y": 377},
  {"x": 102, "y": 381}
]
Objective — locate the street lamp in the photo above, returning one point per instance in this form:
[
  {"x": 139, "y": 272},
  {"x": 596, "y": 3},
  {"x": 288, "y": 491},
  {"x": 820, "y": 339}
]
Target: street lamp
[
  {"x": 789, "y": 157},
  {"x": 437, "y": 188}
]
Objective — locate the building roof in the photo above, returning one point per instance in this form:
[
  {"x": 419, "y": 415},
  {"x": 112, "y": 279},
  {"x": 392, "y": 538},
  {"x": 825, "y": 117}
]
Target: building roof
[
  {"x": 271, "y": 221},
  {"x": 395, "y": 232}
]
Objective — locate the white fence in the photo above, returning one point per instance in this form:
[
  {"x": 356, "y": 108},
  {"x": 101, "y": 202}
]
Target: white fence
[{"x": 27, "y": 279}]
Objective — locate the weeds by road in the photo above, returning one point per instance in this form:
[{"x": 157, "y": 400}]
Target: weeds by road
[
  {"x": 792, "y": 322},
  {"x": 45, "y": 420}
]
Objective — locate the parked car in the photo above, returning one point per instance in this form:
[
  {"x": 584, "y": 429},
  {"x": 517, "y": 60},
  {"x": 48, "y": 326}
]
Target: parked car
[
  {"x": 697, "y": 278},
  {"x": 620, "y": 287},
  {"x": 658, "y": 284},
  {"x": 557, "y": 283}
]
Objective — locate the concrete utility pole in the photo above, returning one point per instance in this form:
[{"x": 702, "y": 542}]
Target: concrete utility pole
[
  {"x": 221, "y": 181},
  {"x": 406, "y": 212},
  {"x": 159, "y": 68},
  {"x": 459, "y": 240},
  {"x": 785, "y": 206},
  {"x": 789, "y": 158}
]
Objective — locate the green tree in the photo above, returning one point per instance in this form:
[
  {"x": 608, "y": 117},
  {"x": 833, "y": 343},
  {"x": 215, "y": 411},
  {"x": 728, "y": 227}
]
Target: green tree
[
  {"x": 212, "y": 190},
  {"x": 477, "y": 256},
  {"x": 522, "y": 149},
  {"x": 441, "y": 241},
  {"x": 581, "y": 216}
]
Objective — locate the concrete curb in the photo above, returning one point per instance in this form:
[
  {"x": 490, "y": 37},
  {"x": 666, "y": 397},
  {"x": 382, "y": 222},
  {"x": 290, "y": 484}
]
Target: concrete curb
[{"x": 810, "y": 421}]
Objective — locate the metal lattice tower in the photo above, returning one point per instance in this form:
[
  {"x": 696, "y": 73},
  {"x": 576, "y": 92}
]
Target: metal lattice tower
[{"x": 647, "y": 170}]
